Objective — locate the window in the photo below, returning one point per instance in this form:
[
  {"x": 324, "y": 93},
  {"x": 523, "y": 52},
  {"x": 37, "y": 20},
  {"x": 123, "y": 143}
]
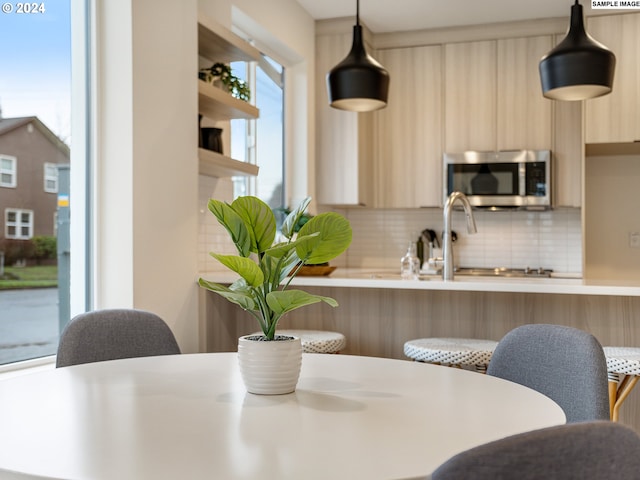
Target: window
[
  {"x": 18, "y": 224},
  {"x": 50, "y": 178},
  {"x": 8, "y": 172},
  {"x": 41, "y": 41},
  {"x": 261, "y": 141}
]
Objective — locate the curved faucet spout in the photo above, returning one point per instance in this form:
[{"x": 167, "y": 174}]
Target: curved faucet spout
[{"x": 447, "y": 244}]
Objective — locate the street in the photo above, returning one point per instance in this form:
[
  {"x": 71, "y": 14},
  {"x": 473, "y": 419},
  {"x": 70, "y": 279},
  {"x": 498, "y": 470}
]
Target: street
[{"x": 28, "y": 324}]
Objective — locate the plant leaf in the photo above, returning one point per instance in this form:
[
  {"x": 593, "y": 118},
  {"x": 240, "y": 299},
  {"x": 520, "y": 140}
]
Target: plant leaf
[
  {"x": 243, "y": 299},
  {"x": 288, "y": 263},
  {"x": 289, "y": 224},
  {"x": 284, "y": 301},
  {"x": 234, "y": 224},
  {"x": 281, "y": 249},
  {"x": 259, "y": 219},
  {"x": 333, "y": 239},
  {"x": 269, "y": 266},
  {"x": 245, "y": 267}
]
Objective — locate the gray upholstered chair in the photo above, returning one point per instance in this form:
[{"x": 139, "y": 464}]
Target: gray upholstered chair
[
  {"x": 566, "y": 364},
  {"x": 112, "y": 334},
  {"x": 579, "y": 451}
]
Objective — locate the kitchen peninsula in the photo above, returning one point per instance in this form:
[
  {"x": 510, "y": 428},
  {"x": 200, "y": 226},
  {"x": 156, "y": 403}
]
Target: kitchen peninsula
[{"x": 378, "y": 312}]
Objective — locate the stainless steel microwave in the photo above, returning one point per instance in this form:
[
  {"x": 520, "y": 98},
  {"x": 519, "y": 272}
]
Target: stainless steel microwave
[{"x": 514, "y": 179}]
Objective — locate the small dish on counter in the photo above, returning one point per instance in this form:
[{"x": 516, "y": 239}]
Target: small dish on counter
[{"x": 315, "y": 270}]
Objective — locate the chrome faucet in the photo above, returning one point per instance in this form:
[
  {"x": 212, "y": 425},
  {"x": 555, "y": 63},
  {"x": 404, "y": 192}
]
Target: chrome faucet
[{"x": 447, "y": 245}]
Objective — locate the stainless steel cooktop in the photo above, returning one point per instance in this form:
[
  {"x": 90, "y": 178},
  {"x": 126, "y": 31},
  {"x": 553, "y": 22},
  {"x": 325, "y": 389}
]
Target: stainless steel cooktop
[{"x": 503, "y": 272}]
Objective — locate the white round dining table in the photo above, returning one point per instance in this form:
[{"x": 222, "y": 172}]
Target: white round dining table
[{"x": 190, "y": 417}]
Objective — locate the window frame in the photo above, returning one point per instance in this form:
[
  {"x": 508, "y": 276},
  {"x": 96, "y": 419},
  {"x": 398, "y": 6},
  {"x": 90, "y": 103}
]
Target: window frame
[
  {"x": 13, "y": 172},
  {"x": 18, "y": 224},
  {"x": 48, "y": 177},
  {"x": 248, "y": 185}
]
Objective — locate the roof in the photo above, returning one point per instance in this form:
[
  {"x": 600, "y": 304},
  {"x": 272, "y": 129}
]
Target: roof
[{"x": 9, "y": 124}]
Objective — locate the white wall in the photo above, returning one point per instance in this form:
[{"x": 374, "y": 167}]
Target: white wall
[{"x": 146, "y": 173}]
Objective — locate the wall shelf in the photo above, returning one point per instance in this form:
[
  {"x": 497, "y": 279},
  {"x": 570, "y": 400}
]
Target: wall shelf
[
  {"x": 217, "y": 104},
  {"x": 214, "y": 164},
  {"x": 219, "y": 44}
]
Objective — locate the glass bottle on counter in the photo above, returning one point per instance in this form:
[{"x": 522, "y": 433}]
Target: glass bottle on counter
[{"x": 410, "y": 264}]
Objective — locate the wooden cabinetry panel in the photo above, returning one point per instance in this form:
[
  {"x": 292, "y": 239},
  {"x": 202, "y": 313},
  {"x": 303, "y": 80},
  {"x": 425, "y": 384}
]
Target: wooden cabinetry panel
[
  {"x": 408, "y": 139},
  {"x": 470, "y": 96},
  {"x": 568, "y": 154},
  {"x": 524, "y": 115},
  {"x": 377, "y": 322},
  {"x": 616, "y": 117},
  {"x": 344, "y": 140}
]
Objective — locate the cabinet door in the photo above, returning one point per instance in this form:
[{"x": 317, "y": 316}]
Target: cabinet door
[
  {"x": 344, "y": 173},
  {"x": 408, "y": 153},
  {"x": 616, "y": 117},
  {"x": 568, "y": 154},
  {"x": 524, "y": 115},
  {"x": 470, "y": 96}
]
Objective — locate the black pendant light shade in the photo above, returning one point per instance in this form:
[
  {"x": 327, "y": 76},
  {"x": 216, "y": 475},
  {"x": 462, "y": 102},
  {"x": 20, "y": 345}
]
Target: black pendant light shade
[
  {"x": 578, "y": 67},
  {"x": 358, "y": 83}
]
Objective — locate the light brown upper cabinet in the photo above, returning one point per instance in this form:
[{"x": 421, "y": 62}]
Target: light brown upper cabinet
[
  {"x": 344, "y": 140},
  {"x": 493, "y": 99},
  {"x": 524, "y": 115},
  {"x": 470, "y": 96},
  {"x": 616, "y": 117},
  {"x": 408, "y": 139}
]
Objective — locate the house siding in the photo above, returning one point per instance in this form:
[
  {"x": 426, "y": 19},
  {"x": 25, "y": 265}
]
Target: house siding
[{"x": 32, "y": 149}]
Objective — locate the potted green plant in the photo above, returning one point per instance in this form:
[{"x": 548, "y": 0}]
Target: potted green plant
[
  {"x": 221, "y": 72},
  {"x": 266, "y": 271}
]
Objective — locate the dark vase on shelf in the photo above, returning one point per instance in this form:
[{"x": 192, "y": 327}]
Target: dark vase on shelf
[{"x": 211, "y": 138}]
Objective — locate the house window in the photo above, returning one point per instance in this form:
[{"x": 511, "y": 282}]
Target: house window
[
  {"x": 8, "y": 172},
  {"x": 18, "y": 224},
  {"x": 50, "y": 178}
]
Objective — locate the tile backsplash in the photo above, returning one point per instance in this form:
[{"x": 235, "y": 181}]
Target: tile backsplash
[{"x": 550, "y": 239}]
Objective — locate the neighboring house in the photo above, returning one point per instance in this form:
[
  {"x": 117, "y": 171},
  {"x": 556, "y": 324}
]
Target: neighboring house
[{"x": 29, "y": 155}]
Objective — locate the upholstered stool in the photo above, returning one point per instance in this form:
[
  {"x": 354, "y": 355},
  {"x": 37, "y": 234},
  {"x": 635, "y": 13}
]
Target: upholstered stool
[
  {"x": 455, "y": 352},
  {"x": 623, "y": 366},
  {"x": 318, "y": 341}
]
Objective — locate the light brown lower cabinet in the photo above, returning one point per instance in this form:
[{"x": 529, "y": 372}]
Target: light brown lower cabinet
[{"x": 377, "y": 322}]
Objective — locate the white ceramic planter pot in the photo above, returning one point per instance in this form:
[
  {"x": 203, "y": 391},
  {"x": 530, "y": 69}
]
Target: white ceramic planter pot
[{"x": 269, "y": 367}]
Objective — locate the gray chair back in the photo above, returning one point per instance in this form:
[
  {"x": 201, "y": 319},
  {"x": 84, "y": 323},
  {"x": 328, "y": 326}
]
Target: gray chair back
[
  {"x": 112, "y": 334},
  {"x": 566, "y": 364},
  {"x": 579, "y": 451}
]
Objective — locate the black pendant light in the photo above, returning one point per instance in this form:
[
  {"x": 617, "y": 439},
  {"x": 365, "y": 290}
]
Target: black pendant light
[
  {"x": 358, "y": 83},
  {"x": 578, "y": 67}
]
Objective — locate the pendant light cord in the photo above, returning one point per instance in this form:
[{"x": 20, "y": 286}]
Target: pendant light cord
[{"x": 358, "y": 12}]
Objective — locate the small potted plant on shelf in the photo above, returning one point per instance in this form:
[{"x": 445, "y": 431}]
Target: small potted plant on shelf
[
  {"x": 221, "y": 73},
  {"x": 266, "y": 270}
]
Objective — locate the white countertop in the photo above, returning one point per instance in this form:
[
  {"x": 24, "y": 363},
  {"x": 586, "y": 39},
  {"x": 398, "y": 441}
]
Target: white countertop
[{"x": 381, "y": 278}]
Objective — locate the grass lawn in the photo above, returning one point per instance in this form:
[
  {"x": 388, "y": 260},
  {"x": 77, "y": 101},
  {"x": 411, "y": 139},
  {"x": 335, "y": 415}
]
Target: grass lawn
[{"x": 29, "y": 277}]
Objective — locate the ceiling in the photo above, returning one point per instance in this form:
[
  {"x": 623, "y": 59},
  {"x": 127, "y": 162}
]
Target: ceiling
[{"x": 402, "y": 15}]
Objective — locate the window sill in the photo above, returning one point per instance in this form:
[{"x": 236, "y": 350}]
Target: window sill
[{"x": 28, "y": 366}]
